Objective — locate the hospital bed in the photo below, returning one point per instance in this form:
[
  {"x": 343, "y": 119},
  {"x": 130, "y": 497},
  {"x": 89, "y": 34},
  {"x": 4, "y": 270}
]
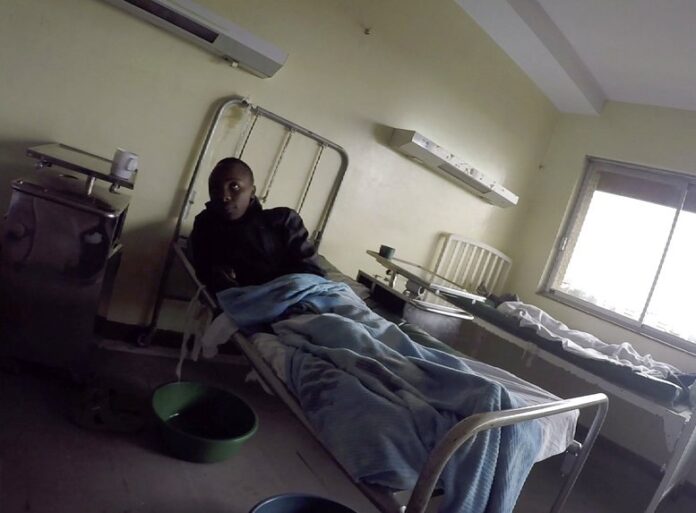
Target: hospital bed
[
  {"x": 472, "y": 264},
  {"x": 241, "y": 118}
]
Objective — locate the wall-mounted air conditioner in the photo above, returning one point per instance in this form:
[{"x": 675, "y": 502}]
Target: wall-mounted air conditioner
[
  {"x": 210, "y": 31},
  {"x": 425, "y": 151}
]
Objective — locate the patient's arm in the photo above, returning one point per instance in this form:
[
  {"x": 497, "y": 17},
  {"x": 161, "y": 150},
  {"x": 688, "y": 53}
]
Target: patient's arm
[
  {"x": 214, "y": 276},
  {"x": 302, "y": 256},
  {"x": 201, "y": 254}
]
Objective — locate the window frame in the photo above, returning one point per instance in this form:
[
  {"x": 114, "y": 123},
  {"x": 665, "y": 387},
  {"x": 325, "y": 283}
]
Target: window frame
[{"x": 593, "y": 166}]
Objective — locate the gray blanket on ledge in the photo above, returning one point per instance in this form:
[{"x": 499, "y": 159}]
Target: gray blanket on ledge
[{"x": 588, "y": 346}]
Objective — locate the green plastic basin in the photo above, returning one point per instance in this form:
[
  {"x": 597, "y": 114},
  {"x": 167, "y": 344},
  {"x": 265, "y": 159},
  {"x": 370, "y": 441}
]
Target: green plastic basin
[{"x": 202, "y": 423}]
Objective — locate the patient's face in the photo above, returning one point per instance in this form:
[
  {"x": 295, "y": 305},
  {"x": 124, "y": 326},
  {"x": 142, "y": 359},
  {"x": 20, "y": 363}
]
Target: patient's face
[{"x": 231, "y": 190}]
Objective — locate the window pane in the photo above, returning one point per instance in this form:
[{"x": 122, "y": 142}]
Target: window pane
[
  {"x": 617, "y": 253},
  {"x": 672, "y": 306}
]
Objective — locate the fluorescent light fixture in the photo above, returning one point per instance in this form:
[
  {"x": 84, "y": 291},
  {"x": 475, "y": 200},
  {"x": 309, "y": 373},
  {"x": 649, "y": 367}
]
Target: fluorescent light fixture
[{"x": 434, "y": 156}]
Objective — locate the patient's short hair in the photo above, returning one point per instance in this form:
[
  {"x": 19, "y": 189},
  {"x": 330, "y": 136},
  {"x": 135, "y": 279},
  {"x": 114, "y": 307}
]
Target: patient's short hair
[{"x": 229, "y": 163}]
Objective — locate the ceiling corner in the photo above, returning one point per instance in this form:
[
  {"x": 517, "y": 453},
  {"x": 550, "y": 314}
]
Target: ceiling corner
[{"x": 528, "y": 35}]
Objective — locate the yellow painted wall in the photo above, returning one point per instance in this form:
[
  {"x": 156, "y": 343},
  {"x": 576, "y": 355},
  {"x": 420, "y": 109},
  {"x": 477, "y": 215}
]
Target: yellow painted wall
[
  {"x": 652, "y": 136},
  {"x": 87, "y": 74}
]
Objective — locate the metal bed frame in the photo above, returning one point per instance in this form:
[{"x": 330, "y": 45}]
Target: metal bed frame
[
  {"x": 459, "y": 434},
  {"x": 291, "y": 130},
  {"x": 470, "y": 263},
  {"x": 453, "y": 439}
]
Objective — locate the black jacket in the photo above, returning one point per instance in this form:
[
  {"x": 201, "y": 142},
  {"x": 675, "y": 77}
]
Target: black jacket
[{"x": 259, "y": 247}]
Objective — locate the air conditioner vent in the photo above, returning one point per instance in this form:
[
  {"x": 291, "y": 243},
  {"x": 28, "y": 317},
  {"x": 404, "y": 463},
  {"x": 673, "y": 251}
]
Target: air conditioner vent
[
  {"x": 175, "y": 18},
  {"x": 209, "y": 31}
]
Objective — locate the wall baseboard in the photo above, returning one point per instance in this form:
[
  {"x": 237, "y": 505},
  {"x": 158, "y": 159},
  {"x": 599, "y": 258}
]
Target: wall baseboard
[{"x": 114, "y": 330}]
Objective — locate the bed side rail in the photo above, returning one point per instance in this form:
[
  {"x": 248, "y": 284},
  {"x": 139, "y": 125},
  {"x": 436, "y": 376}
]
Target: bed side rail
[{"x": 469, "y": 427}]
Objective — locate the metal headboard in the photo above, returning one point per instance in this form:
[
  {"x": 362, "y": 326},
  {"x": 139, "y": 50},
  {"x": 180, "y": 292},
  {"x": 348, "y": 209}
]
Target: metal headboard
[
  {"x": 292, "y": 130},
  {"x": 470, "y": 264},
  {"x": 223, "y": 117}
]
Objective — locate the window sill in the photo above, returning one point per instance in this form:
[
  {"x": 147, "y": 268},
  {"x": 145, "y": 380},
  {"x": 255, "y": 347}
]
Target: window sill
[{"x": 677, "y": 343}]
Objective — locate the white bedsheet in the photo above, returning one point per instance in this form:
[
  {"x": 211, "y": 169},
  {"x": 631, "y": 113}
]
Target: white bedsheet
[
  {"x": 584, "y": 344},
  {"x": 558, "y": 431}
]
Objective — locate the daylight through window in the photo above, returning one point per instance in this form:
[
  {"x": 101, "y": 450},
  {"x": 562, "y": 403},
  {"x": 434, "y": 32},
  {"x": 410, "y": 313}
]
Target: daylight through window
[{"x": 628, "y": 253}]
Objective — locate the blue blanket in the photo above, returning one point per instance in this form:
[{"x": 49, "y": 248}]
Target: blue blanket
[{"x": 380, "y": 401}]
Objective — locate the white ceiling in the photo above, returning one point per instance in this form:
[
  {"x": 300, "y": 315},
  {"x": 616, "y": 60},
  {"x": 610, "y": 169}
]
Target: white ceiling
[{"x": 583, "y": 52}]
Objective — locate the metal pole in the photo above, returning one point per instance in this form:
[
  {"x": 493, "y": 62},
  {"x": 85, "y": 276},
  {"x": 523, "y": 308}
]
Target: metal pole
[
  {"x": 89, "y": 185},
  {"x": 276, "y": 165},
  {"x": 310, "y": 178},
  {"x": 570, "y": 480}
]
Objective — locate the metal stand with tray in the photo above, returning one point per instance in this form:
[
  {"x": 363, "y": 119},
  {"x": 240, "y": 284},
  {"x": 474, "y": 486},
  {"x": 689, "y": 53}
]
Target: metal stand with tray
[
  {"x": 60, "y": 252},
  {"x": 424, "y": 289}
]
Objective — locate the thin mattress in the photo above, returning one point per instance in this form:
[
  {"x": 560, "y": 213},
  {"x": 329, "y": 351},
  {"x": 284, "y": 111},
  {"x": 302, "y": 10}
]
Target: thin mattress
[{"x": 660, "y": 389}]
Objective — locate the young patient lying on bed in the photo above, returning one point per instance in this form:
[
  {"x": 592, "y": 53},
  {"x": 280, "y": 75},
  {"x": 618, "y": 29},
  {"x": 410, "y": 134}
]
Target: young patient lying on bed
[{"x": 235, "y": 242}]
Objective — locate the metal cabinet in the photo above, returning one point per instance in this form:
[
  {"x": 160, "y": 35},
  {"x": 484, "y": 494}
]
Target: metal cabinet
[{"x": 60, "y": 249}]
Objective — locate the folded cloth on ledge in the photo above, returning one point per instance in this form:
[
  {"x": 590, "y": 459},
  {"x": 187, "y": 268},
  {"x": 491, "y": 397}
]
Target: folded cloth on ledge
[
  {"x": 588, "y": 346},
  {"x": 380, "y": 401}
]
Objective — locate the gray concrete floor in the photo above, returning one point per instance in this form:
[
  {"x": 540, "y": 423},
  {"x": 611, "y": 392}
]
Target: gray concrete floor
[{"x": 48, "y": 464}]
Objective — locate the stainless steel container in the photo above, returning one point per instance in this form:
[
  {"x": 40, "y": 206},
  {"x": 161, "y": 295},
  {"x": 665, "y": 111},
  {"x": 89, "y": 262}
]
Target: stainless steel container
[{"x": 60, "y": 249}]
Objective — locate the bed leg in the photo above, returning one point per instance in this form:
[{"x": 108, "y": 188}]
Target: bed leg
[
  {"x": 570, "y": 458},
  {"x": 580, "y": 459}
]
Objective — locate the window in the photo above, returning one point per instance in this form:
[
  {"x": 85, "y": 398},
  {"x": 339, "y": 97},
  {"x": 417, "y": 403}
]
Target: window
[{"x": 628, "y": 252}]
